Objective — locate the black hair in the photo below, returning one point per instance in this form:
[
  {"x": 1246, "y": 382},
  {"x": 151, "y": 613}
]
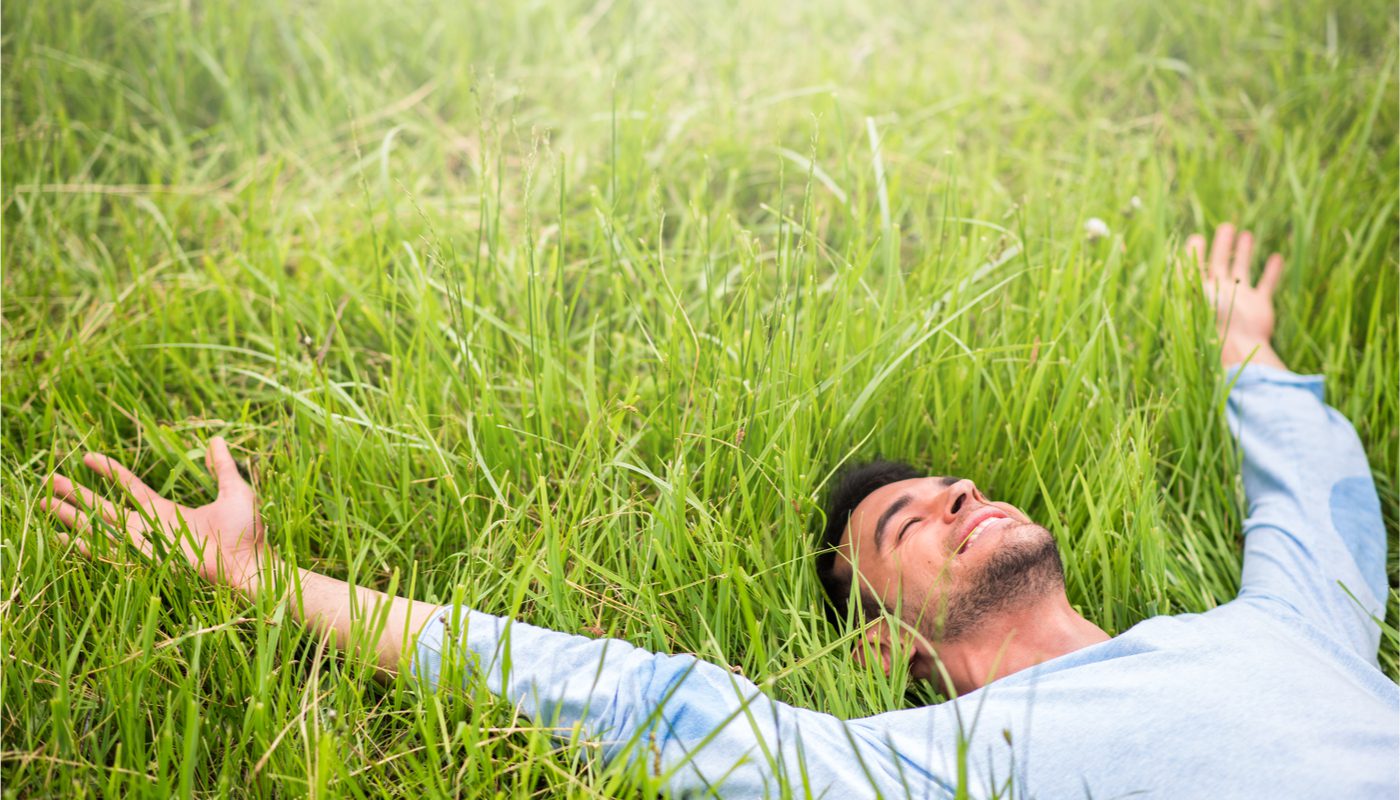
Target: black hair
[{"x": 853, "y": 485}]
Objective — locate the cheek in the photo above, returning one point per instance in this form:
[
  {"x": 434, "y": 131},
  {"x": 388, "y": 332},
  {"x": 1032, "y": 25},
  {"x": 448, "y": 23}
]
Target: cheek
[
  {"x": 880, "y": 577},
  {"x": 926, "y": 584},
  {"x": 904, "y": 577},
  {"x": 930, "y": 571},
  {"x": 917, "y": 573}
]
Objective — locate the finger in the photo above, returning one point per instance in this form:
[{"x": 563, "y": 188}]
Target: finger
[
  {"x": 1196, "y": 251},
  {"x": 76, "y": 518},
  {"x": 143, "y": 494},
  {"x": 1244, "y": 253},
  {"x": 82, "y": 546},
  {"x": 1220, "y": 251},
  {"x": 77, "y": 494},
  {"x": 1211, "y": 287},
  {"x": 141, "y": 543},
  {"x": 82, "y": 523},
  {"x": 67, "y": 512},
  {"x": 1273, "y": 270},
  {"x": 220, "y": 462}
]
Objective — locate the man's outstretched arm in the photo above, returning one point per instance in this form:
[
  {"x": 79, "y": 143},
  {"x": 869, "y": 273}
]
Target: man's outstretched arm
[
  {"x": 1314, "y": 539},
  {"x": 689, "y": 724},
  {"x": 686, "y": 723}
]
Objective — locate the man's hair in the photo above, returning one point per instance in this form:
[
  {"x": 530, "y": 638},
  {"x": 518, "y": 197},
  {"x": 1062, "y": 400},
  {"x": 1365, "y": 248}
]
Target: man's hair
[{"x": 853, "y": 485}]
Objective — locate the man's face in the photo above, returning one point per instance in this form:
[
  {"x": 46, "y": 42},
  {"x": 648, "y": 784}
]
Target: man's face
[{"x": 946, "y": 557}]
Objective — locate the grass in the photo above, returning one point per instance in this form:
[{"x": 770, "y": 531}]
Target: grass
[{"x": 572, "y": 309}]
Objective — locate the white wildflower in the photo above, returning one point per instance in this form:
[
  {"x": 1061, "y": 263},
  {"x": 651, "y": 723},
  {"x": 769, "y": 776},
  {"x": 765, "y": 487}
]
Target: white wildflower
[{"x": 1095, "y": 229}]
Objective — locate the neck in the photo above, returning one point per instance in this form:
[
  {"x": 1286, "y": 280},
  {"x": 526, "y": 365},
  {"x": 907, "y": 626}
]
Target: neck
[{"x": 1016, "y": 641}]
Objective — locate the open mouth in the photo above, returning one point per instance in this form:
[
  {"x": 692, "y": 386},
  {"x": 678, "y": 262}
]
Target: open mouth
[{"x": 982, "y": 527}]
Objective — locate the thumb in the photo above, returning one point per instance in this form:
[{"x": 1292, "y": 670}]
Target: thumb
[{"x": 220, "y": 462}]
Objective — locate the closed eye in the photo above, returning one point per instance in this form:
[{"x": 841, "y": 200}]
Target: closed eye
[{"x": 900, "y": 538}]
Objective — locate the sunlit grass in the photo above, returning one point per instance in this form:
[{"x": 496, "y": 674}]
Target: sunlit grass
[{"x": 570, "y": 310}]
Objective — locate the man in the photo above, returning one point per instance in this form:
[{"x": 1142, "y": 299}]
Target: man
[{"x": 1276, "y": 694}]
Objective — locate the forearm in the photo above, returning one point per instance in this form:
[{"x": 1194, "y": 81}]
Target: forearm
[
  {"x": 358, "y": 619},
  {"x": 1314, "y": 536}
]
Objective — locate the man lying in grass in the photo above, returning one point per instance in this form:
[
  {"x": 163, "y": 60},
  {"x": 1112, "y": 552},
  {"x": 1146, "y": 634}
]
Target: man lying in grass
[{"x": 1276, "y": 694}]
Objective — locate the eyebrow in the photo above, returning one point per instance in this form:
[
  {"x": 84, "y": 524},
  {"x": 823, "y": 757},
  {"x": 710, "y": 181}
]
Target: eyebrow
[{"x": 893, "y": 509}]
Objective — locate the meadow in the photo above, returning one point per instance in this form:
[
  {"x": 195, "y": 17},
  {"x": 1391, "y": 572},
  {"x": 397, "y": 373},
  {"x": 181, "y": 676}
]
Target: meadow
[{"x": 571, "y": 310}]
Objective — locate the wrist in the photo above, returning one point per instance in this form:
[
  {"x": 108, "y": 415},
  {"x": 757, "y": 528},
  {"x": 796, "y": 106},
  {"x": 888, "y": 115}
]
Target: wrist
[
  {"x": 1239, "y": 349},
  {"x": 258, "y": 574}
]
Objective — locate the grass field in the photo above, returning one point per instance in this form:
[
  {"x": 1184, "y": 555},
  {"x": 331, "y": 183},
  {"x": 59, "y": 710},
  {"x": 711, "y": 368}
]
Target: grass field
[{"x": 572, "y": 309}]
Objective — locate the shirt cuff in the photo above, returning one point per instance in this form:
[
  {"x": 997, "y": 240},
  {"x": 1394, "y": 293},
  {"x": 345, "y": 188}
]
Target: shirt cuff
[
  {"x": 472, "y": 634},
  {"x": 427, "y": 660},
  {"x": 1242, "y": 375}
]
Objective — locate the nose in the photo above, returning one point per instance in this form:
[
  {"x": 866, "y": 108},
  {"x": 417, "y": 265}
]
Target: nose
[{"x": 958, "y": 496}]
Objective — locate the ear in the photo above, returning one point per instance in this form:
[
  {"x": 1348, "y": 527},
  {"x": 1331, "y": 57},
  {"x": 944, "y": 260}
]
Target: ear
[{"x": 875, "y": 644}]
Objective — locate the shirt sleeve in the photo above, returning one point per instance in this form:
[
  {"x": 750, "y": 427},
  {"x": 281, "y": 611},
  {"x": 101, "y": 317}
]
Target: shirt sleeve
[
  {"x": 1314, "y": 538},
  {"x": 689, "y": 725}
]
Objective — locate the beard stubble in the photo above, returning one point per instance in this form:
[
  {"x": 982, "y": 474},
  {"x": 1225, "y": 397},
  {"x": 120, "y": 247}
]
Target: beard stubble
[{"x": 1017, "y": 574}]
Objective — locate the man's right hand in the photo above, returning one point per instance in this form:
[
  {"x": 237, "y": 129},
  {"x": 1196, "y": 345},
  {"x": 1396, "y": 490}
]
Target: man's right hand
[
  {"x": 1244, "y": 314},
  {"x": 223, "y": 540},
  {"x": 225, "y": 543}
]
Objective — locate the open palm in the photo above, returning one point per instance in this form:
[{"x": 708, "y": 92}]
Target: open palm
[
  {"x": 1244, "y": 311},
  {"x": 223, "y": 540}
]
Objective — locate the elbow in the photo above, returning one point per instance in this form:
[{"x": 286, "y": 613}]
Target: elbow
[
  {"x": 659, "y": 707},
  {"x": 669, "y": 708}
]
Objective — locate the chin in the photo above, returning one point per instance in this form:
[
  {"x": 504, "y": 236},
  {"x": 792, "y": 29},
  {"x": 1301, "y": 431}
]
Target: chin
[
  {"x": 1028, "y": 554},
  {"x": 1021, "y": 570}
]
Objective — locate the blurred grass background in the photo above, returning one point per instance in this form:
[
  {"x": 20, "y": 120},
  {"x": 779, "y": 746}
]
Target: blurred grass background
[{"x": 572, "y": 309}]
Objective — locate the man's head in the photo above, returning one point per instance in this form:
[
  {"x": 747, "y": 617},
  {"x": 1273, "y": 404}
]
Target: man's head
[{"x": 935, "y": 552}]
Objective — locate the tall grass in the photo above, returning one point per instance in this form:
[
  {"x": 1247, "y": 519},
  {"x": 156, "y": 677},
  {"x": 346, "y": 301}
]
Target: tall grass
[{"x": 572, "y": 309}]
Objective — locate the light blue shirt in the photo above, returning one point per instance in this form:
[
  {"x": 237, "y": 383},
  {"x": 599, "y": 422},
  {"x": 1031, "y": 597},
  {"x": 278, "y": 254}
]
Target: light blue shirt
[{"x": 1276, "y": 694}]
